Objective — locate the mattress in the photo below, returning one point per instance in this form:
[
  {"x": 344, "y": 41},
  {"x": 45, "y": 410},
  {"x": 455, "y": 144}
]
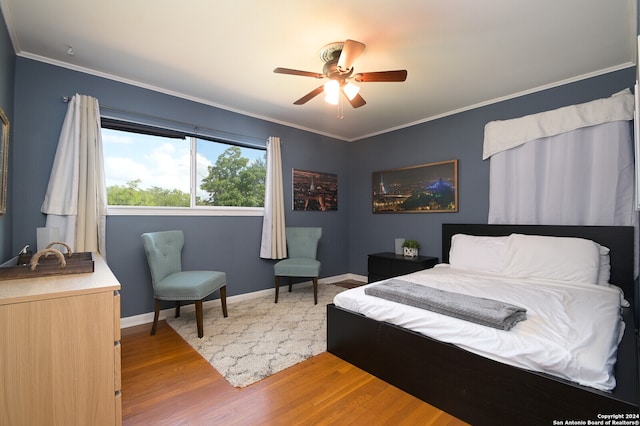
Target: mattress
[{"x": 572, "y": 329}]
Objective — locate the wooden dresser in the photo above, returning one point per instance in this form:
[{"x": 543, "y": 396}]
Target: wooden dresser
[{"x": 60, "y": 349}]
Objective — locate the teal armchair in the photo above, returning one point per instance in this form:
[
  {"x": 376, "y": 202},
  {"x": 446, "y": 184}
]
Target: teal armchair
[
  {"x": 302, "y": 247},
  {"x": 170, "y": 282}
]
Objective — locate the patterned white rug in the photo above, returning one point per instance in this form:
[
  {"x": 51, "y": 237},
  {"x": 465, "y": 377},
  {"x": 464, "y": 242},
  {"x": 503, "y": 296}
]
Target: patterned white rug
[{"x": 259, "y": 337}]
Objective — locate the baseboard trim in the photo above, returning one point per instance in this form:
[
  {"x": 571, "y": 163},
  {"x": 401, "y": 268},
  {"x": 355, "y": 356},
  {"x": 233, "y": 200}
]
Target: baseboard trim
[{"x": 147, "y": 318}]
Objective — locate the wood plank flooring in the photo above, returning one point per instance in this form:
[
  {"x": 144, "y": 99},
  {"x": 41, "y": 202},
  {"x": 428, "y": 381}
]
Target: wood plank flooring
[{"x": 166, "y": 382}]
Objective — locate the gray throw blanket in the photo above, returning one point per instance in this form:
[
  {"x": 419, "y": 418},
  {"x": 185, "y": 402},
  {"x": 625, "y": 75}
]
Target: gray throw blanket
[{"x": 488, "y": 312}]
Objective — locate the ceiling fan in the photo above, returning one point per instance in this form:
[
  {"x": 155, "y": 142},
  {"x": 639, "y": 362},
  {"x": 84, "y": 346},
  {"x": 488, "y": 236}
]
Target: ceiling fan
[{"x": 338, "y": 61}]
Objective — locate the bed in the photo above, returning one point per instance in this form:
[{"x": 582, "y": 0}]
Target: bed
[{"x": 481, "y": 390}]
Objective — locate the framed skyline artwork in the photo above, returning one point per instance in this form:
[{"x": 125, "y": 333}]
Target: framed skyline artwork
[
  {"x": 426, "y": 188},
  {"x": 314, "y": 191}
]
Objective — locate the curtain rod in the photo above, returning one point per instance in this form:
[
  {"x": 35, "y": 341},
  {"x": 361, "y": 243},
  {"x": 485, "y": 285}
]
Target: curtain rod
[{"x": 248, "y": 140}]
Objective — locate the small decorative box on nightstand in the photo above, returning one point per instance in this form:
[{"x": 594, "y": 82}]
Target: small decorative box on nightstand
[{"x": 388, "y": 265}]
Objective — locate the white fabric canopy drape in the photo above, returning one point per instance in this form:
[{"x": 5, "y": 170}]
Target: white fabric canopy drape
[
  {"x": 570, "y": 166},
  {"x": 501, "y": 135},
  {"x": 582, "y": 177},
  {"x": 76, "y": 199},
  {"x": 274, "y": 243}
]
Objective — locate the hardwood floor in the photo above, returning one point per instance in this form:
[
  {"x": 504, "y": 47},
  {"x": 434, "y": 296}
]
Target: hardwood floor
[{"x": 166, "y": 382}]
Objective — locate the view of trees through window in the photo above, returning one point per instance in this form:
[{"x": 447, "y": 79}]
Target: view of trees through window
[{"x": 149, "y": 170}]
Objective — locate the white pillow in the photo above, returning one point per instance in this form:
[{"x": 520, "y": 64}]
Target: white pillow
[
  {"x": 477, "y": 253},
  {"x": 604, "y": 271},
  {"x": 556, "y": 258}
]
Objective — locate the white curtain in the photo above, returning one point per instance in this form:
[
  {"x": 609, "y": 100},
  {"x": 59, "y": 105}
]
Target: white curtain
[
  {"x": 274, "y": 243},
  {"x": 570, "y": 166},
  {"x": 76, "y": 199},
  {"x": 582, "y": 177}
]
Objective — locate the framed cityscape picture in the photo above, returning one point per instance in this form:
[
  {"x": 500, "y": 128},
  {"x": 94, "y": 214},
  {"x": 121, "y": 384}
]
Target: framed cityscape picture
[
  {"x": 426, "y": 188},
  {"x": 314, "y": 191}
]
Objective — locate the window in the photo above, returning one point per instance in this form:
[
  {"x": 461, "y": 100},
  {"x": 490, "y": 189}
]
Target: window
[{"x": 156, "y": 168}]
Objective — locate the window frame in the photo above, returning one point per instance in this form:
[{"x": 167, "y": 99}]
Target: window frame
[{"x": 193, "y": 209}]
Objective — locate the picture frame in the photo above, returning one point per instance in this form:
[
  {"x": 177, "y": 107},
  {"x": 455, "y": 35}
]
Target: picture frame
[
  {"x": 425, "y": 188},
  {"x": 314, "y": 191},
  {"x": 4, "y": 160}
]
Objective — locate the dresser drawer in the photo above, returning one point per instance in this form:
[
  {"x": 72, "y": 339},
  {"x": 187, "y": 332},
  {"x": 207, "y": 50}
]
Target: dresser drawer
[
  {"x": 402, "y": 268},
  {"x": 380, "y": 266},
  {"x": 386, "y": 265}
]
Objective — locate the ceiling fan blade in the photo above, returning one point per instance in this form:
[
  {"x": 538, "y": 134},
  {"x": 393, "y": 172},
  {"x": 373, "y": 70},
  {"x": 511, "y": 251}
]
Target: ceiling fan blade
[
  {"x": 381, "y": 76},
  {"x": 297, "y": 72},
  {"x": 350, "y": 52},
  {"x": 312, "y": 94},
  {"x": 357, "y": 100}
]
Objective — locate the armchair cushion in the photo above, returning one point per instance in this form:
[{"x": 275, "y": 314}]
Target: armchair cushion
[
  {"x": 297, "y": 267},
  {"x": 189, "y": 285}
]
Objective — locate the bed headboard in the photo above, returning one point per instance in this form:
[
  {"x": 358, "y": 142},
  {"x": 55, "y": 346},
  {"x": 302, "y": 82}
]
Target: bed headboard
[{"x": 619, "y": 239}]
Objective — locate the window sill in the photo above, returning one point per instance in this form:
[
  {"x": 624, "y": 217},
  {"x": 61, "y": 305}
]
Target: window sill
[{"x": 184, "y": 211}]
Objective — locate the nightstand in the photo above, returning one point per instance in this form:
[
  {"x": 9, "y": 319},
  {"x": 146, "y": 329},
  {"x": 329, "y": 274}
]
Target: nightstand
[{"x": 388, "y": 265}]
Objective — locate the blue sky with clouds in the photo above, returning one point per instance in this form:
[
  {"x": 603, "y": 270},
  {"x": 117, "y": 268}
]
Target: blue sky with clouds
[{"x": 156, "y": 161}]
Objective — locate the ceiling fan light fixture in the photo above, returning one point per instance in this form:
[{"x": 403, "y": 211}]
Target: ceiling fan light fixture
[
  {"x": 331, "y": 99},
  {"x": 338, "y": 68},
  {"x": 332, "y": 92},
  {"x": 351, "y": 90}
]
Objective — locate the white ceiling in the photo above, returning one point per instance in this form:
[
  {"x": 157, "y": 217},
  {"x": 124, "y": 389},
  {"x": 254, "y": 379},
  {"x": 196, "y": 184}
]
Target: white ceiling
[{"x": 459, "y": 53}]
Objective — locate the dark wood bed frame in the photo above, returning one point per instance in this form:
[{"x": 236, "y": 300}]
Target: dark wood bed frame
[{"x": 482, "y": 391}]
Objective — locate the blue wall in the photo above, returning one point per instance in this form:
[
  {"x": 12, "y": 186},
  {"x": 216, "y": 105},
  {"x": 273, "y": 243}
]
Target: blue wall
[
  {"x": 455, "y": 137},
  {"x": 230, "y": 244},
  {"x": 7, "y": 67}
]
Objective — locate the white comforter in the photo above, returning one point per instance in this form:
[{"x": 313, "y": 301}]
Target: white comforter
[{"x": 572, "y": 330}]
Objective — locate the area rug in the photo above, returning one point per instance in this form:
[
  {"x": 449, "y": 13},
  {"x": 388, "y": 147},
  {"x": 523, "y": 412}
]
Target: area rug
[{"x": 260, "y": 337}]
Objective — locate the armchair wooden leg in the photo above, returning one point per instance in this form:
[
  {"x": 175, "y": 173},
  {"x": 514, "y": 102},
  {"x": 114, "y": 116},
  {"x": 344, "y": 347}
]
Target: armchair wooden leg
[
  {"x": 290, "y": 283},
  {"x": 155, "y": 318},
  {"x": 223, "y": 300},
  {"x": 315, "y": 290},
  {"x": 177, "y": 309},
  {"x": 199, "y": 318},
  {"x": 277, "y": 287}
]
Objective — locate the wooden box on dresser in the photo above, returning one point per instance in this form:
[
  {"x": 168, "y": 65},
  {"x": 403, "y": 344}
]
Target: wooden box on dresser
[{"x": 60, "y": 349}]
